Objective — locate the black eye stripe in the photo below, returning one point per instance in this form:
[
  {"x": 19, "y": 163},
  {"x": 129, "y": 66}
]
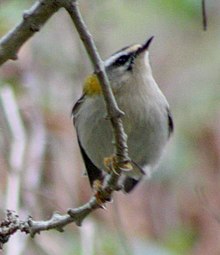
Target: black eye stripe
[{"x": 122, "y": 60}]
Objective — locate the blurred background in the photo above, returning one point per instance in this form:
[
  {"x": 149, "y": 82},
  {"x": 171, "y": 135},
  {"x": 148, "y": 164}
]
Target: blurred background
[{"x": 177, "y": 211}]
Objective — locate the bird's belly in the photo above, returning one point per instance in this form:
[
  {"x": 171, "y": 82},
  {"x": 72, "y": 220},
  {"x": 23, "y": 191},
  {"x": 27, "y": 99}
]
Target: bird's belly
[
  {"x": 145, "y": 150},
  {"x": 146, "y": 142},
  {"x": 146, "y": 139}
]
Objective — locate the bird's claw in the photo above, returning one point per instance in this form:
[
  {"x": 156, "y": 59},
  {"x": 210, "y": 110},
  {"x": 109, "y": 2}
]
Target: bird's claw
[{"x": 112, "y": 165}]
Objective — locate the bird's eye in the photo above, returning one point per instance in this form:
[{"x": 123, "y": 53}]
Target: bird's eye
[{"x": 122, "y": 60}]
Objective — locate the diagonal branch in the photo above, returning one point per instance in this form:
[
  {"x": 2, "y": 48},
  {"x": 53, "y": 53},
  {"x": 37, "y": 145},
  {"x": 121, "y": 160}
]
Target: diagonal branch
[
  {"x": 33, "y": 20},
  {"x": 114, "y": 113},
  {"x": 12, "y": 223},
  {"x": 9, "y": 47}
]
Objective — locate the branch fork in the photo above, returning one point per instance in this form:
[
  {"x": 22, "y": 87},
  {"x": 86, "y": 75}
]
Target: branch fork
[{"x": 33, "y": 20}]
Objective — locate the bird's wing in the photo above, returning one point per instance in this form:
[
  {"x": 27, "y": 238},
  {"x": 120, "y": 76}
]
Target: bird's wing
[
  {"x": 93, "y": 172},
  {"x": 129, "y": 184},
  {"x": 77, "y": 106}
]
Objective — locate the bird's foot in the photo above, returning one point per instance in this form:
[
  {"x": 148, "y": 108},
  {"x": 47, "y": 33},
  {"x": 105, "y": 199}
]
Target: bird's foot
[
  {"x": 112, "y": 165},
  {"x": 109, "y": 163},
  {"x": 101, "y": 198}
]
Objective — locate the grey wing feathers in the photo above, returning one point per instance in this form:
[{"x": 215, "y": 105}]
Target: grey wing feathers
[
  {"x": 76, "y": 107},
  {"x": 93, "y": 172}
]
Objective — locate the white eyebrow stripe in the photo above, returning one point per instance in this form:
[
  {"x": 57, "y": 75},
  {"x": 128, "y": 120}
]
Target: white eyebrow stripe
[
  {"x": 127, "y": 50},
  {"x": 112, "y": 59}
]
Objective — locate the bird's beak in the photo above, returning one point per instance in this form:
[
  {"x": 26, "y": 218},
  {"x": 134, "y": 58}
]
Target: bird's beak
[{"x": 144, "y": 46}]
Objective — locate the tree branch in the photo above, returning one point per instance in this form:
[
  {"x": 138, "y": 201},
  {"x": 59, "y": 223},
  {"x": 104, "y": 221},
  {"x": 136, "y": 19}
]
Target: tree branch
[
  {"x": 12, "y": 223},
  {"x": 9, "y": 47},
  {"x": 114, "y": 113},
  {"x": 33, "y": 20}
]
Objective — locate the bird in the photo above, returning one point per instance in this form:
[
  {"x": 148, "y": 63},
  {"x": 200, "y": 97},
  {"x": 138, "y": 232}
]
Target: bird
[{"x": 147, "y": 119}]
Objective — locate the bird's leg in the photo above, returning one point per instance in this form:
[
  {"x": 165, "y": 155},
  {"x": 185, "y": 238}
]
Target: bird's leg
[
  {"x": 98, "y": 192},
  {"x": 109, "y": 163}
]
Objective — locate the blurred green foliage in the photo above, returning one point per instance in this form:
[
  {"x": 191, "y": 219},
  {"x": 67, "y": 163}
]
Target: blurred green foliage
[
  {"x": 11, "y": 13},
  {"x": 187, "y": 9},
  {"x": 180, "y": 241}
]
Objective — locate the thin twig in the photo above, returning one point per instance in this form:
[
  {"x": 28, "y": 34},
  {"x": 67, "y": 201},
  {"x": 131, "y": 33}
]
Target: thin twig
[
  {"x": 204, "y": 16},
  {"x": 12, "y": 223},
  {"x": 114, "y": 113}
]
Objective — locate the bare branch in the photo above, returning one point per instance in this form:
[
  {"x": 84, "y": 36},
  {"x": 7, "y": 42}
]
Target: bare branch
[
  {"x": 9, "y": 226},
  {"x": 9, "y": 46},
  {"x": 33, "y": 20},
  {"x": 12, "y": 223},
  {"x": 114, "y": 113}
]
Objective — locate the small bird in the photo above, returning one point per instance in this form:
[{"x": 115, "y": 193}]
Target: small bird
[{"x": 147, "y": 121}]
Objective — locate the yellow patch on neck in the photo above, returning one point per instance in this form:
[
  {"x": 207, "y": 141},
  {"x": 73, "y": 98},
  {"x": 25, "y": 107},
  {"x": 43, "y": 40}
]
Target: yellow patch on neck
[{"x": 92, "y": 86}]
